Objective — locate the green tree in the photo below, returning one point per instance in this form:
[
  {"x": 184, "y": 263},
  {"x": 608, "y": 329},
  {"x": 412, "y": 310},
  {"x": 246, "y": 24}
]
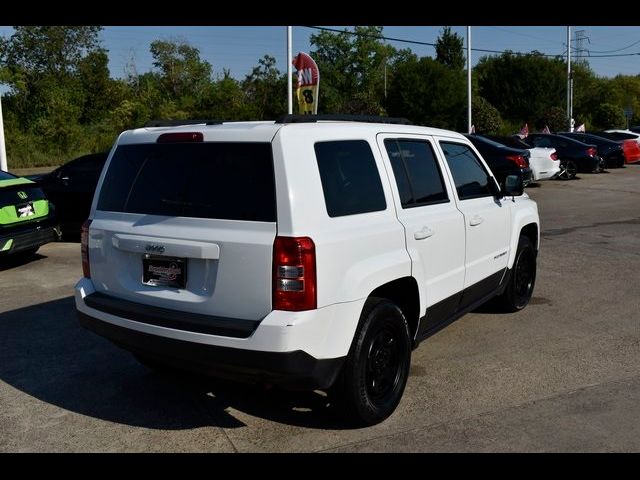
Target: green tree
[
  {"x": 522, "y": 87},
  {"x": 49, "y": 49},
  {"x": 352, "y": 70},
  {"x": 428, "y": 93},
  {"x": 182, "y": 72},
  {"x": 609, "y": 116},
  {"x": 449, "y": 49},
  {"x": 486, "y": 117},
  {"x": 266, "y": 90}
]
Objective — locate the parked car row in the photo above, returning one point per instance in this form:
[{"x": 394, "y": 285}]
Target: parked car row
[{"x": 541, "y": 156}]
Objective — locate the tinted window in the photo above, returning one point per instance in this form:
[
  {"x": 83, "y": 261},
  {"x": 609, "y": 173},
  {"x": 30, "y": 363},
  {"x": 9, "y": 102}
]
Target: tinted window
[
  {"x": 417, "y": 173},
  {"x": 468, "y": 173},
  {"x": 544, "y": 142},
  {"x": 350, "y": 179},
  {"x": 232, "y": 181},
  {"x": 6, "y": 176}
]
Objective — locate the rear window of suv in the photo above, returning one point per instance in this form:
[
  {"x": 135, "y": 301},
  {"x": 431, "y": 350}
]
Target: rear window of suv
[{"x": 226, "y": 180}]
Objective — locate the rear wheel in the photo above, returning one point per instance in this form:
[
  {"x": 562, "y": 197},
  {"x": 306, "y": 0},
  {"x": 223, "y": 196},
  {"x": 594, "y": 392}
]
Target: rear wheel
[
  {"x": 522, "y": 280},
  {"x": 568, "y": 170},
  {"x": 374, "y": 376}
]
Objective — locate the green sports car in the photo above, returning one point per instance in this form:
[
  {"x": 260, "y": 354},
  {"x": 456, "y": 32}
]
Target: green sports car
[{"x": 27, "y": 219}]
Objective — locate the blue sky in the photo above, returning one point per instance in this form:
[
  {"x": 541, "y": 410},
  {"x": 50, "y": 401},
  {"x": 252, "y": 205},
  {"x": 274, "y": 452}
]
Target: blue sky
[{"x": 239, "y": 48}]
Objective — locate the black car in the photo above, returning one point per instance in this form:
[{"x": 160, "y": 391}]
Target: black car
[
  {"x": 70, "y": 188},
  {"x": 503, "y": 160},
  {"x": 574, "y": 156},
  {"x": 609, "y": 150}
]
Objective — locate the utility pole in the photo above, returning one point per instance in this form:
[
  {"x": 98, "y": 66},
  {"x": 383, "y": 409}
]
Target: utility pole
[
  {"x": 468, "y": 79},
  {"x": 569, "y": 92},
  {"x": 289, "y": 73},
  {"x": 3, "y": 152}
]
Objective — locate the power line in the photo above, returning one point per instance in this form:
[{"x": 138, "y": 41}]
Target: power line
[
  {"x": 618, "y": 49},
  {"x": 416, "y": 42}
]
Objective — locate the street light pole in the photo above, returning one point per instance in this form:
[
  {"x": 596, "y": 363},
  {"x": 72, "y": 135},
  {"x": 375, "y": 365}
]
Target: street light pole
[
  {"x": 468, "y": 79},
  {"x": 289, "y": 73},
  {"x": 569, "y": 92}
]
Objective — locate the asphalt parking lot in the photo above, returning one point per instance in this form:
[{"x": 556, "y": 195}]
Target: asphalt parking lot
[{"x": 562, "y": 375}]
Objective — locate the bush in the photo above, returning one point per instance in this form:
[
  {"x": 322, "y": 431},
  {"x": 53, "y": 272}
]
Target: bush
[
  {"x": 485, "y": 117},
  {"x": 608, "y": 115}
]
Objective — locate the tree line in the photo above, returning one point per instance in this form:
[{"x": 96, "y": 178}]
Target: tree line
[{"x": 62, "y": 101}]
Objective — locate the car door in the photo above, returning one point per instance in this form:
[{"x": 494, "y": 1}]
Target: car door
[
  {"x": 434, "y": 227},
  {"x": 487, "y": 221}
]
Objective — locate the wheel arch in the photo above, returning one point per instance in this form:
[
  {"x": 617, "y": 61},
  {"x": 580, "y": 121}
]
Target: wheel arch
[
  {"x": 525, "y": 222},
  {"x": 405, "y": 294}
]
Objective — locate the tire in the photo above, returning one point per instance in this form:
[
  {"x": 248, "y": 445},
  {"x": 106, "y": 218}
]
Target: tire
[
  {"x": 375, "y": 373},
  {"x": 522, "y": 279},
  {"x": 569, "y": 170}
]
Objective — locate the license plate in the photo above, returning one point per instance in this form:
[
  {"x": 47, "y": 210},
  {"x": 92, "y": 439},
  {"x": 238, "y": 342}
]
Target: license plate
[
  {"x": 25, "y": 210},
  {"x": 164, "y": 271}
]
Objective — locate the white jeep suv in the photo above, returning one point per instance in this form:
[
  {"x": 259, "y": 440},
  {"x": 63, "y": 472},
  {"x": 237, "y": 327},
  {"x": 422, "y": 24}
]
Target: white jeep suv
[{"x": 312, "y": 252}]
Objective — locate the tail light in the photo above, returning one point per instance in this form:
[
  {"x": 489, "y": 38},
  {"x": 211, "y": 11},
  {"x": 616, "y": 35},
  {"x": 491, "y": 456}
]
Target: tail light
[
  {"x": 294, "y": 274},
  {"x": 591, "y": 151},
  {"x": 84, "y": 248},
  {"x": 519, "y": 160},
  {"x": 554, "y": 156}
]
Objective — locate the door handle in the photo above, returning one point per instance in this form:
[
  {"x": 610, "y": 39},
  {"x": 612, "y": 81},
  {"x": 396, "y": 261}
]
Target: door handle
[
  {"x": 426, "y": 232},
  {"x": 476, "y": 220}
]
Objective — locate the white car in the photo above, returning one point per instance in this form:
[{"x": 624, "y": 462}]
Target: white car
[
  {"x": 543, "y": 162},
  {"x": 304, "y": 252}
]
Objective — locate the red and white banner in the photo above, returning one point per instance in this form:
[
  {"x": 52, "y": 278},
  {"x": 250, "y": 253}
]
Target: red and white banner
[
  {"x": 308, "y": 84},
  {"x": 546, "y": 129}
]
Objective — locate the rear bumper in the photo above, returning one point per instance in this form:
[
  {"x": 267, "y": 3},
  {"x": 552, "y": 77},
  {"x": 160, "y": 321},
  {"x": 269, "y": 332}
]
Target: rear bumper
[
  {"x": 27, "y": 236},
  {"x": 296, "y": 369},
  {"x": 294, "y": 349},
  {"x": 547, "y": 173}
]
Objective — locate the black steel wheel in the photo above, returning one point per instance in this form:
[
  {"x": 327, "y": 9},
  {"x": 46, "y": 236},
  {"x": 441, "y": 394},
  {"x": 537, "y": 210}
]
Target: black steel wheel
[
  {"x": 520, "y": 286},
  {"x": 375, "y": 373}
]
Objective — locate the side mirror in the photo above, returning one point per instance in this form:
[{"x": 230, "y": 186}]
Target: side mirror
[
  {"x": 494, "y": 188},
  {"x": 513, "y": 186}
]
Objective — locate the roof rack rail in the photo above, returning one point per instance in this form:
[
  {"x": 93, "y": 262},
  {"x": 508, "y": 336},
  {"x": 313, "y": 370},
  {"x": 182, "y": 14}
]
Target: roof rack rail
[
  {"x": 177, "y": 123},
  {"x": 341, "y": 118}
]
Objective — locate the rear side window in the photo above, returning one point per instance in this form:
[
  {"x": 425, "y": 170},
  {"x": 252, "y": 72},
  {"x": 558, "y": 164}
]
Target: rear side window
[
  {"x": 469, "y": 175},
  {"x": 542, "y": 142},
  {"x": 231, "y": 181},
  {"x": 6, "y": 176},
  {"x": 417, "y": 173},
  {"x": 350, "y": 179}
]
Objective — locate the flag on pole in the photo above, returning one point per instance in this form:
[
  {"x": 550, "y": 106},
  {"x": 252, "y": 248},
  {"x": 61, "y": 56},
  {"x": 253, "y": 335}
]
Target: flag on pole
[
  {"x": 524, "y": 131},
  {"x": 580, "y": 128},
  {"x": 546, "y": 129},
  {"x": 308, "y": 83},
  {"x": 473, "y": 130}
]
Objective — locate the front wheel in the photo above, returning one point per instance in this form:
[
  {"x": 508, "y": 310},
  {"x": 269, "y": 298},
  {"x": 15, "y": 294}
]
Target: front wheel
[
  {"x": 375, "y": 373},
  {"x": 522, "y": 280}
]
